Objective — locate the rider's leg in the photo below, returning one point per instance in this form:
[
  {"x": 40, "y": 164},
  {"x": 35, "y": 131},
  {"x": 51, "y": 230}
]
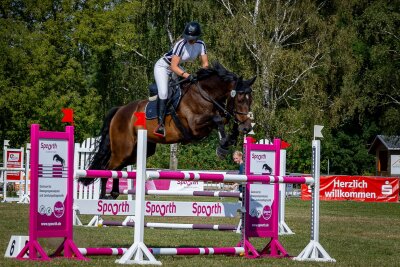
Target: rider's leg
[
  {"x": 162, "y": 108},
  {"x": 161, "y": 75}
]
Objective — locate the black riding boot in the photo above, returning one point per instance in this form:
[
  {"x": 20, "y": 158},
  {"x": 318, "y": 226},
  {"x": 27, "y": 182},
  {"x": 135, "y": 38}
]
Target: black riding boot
[{"x": 162, "y": 108}]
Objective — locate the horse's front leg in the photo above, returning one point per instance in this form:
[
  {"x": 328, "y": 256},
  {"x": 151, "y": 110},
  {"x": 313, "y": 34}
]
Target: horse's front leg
[
  {"x": 103, "y": 189},
  {"x": 222, "y": 150},
  {"x": 218, "y": 120},
  {"x": 233, "y": 136}
]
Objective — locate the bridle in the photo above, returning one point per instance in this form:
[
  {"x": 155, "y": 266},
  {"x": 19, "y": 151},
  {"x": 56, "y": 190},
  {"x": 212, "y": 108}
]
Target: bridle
[{"x": 233, "y": 94}]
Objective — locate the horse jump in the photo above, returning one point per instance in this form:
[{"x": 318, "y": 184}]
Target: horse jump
[
  {"x": 86, "y": 194},
  {"x": 138, "y": 248},
  {"x": 191, "y": 176}
]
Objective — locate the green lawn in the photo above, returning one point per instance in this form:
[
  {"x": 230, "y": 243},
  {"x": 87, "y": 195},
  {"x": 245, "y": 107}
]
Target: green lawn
[{"x": 354, "y": 233}]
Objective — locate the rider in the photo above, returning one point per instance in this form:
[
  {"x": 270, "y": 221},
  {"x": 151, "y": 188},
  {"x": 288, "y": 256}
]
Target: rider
[{"x": 186, "y": 49}]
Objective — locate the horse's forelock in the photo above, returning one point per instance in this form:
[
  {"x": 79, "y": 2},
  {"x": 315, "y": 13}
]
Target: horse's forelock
[{"x": 244, "y": 86}]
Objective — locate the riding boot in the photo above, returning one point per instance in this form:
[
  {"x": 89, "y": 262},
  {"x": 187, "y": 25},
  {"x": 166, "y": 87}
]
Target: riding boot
[{"x": 161, "y": 109}]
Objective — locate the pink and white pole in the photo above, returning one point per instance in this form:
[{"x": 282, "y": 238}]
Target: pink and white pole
[
  {"x": 225, "y": 178},
  {"x": 197, "y": 176},
  {"x": 165, "y": 251},
  {"x": 106, "y": 174},
  {"x": 219, "y": 227}
]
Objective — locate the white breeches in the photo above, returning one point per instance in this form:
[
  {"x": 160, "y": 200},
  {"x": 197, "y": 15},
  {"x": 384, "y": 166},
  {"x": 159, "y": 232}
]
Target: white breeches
[{"x": 162, "y": 72}]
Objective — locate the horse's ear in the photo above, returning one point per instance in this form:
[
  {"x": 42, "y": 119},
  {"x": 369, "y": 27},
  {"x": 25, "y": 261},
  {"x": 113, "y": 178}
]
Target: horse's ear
[{"x": 251, "y": 81}]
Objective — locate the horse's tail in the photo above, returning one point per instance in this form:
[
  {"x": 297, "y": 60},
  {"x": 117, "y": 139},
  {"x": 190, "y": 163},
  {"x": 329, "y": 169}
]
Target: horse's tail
[{"x": 100, "y": 159}]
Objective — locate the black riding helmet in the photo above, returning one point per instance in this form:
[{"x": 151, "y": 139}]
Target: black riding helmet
[{"x": 192, "y": 31}]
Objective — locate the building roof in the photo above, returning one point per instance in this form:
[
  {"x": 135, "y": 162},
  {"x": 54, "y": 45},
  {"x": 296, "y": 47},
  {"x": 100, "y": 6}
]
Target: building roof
[{"x": 389, "y": 142}]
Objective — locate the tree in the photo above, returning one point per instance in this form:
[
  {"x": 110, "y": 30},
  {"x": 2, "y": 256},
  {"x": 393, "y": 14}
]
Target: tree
[{"x": 281, "y": 40}]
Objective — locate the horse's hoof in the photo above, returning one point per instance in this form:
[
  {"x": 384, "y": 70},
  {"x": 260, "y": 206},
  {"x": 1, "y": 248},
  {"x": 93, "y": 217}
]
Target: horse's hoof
[
  {"x": 114, "y": 195},
  {"x": 106, "y": 197},
  {"x": 222, "y": 152}
]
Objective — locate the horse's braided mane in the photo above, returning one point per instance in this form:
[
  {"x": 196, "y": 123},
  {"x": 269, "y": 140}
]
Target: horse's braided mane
[{"x": 216, "y": 69}]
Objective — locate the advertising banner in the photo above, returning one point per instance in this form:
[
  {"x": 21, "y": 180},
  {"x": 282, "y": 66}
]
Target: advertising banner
[
  {"x": 261, "y": 216},
  {"x": 184, "y": 186},
  {"x": 175, "y": 185},
  {"x": 260, "y": 210},
  {"x": 159, "y": 208},
  {"x": 357, "y": 188},
  {"x": 53, "y": 161},
  {"x": 14, "y": 160}
]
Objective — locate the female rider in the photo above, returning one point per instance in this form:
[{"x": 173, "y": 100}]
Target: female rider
[{"x": 186, "y": 49}]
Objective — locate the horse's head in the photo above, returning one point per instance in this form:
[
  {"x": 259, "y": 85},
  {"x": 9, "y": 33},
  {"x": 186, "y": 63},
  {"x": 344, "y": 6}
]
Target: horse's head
[
  {"x": 223, "y": 85},
  {"x": 229, "y": 96},
  {"x": 239, "y": 103}
]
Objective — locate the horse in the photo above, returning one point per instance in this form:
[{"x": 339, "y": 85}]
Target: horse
[
  {"x": 267, "y": 168},
  {"x": 57, "y": 158},
  {"x": 216, "y": 97}
]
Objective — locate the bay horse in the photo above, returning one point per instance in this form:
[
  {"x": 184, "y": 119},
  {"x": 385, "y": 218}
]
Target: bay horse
[{"x": 206, "y": 104}]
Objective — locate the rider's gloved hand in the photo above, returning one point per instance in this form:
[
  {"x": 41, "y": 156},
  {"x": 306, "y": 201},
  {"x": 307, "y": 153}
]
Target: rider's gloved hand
[{"x": 192, "y": 78}]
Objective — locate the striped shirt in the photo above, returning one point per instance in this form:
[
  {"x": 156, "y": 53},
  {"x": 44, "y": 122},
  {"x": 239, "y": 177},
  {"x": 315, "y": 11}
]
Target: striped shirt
[{"x": 186, "y": 51}]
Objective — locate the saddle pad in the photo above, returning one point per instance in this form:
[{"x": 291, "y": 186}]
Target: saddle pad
[{"x": 151, "y": 107}]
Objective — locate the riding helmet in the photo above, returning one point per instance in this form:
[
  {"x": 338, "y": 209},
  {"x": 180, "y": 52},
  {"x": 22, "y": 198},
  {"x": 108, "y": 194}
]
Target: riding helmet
[{"x": 192, "y": 31}]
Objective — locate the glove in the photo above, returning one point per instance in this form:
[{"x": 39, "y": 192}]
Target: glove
[{"x": 192, "y": 78}]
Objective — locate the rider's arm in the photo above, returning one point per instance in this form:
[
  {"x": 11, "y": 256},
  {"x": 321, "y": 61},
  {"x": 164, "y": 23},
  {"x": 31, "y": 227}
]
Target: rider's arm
[
  {"x": 204, "y": 61},
  {"x": 175, "y": 67}
]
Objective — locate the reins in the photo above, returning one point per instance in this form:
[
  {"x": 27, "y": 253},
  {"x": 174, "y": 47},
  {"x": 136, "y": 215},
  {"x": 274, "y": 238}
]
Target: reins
[{"x": 228, "y": 114}]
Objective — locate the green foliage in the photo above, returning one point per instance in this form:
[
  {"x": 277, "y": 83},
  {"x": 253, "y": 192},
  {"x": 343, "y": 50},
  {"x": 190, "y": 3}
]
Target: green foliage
[
  {"x": 299, "y": 157},
  {"x": 349, "y": 156}
]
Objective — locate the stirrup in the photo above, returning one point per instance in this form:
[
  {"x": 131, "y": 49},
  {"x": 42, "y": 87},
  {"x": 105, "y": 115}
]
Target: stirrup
[{"x": 160, "y": 131}]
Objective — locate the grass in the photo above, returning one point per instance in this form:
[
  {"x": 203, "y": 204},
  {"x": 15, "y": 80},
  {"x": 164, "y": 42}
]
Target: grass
[{"x": 354, "y": 233}]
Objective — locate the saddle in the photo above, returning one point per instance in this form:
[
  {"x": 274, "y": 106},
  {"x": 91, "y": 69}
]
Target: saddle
[{"x": 174, "y": 98}]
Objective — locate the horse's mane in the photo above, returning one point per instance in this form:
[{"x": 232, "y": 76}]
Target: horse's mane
[{"x": 216, "y": 69}]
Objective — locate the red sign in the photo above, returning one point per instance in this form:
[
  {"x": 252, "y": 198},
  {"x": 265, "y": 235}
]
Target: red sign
[
  {"x": 357, "y": 188},
  {"x": 14, "y": 160}
]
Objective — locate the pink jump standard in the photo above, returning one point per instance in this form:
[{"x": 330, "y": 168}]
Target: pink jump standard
[
  {"x": 50, "y": 211},
  {"x": 261, "y": 218}
]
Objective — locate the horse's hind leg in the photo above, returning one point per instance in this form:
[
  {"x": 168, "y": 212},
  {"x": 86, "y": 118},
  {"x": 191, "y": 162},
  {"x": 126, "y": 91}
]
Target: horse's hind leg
[
  {"x": 151, "y": 149},
  {"x": 120, "y": 158},
  {"x": 115, "y": 188},
  {"x": 103, "y": 184},
  {"x": 122, "y": 143}
]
